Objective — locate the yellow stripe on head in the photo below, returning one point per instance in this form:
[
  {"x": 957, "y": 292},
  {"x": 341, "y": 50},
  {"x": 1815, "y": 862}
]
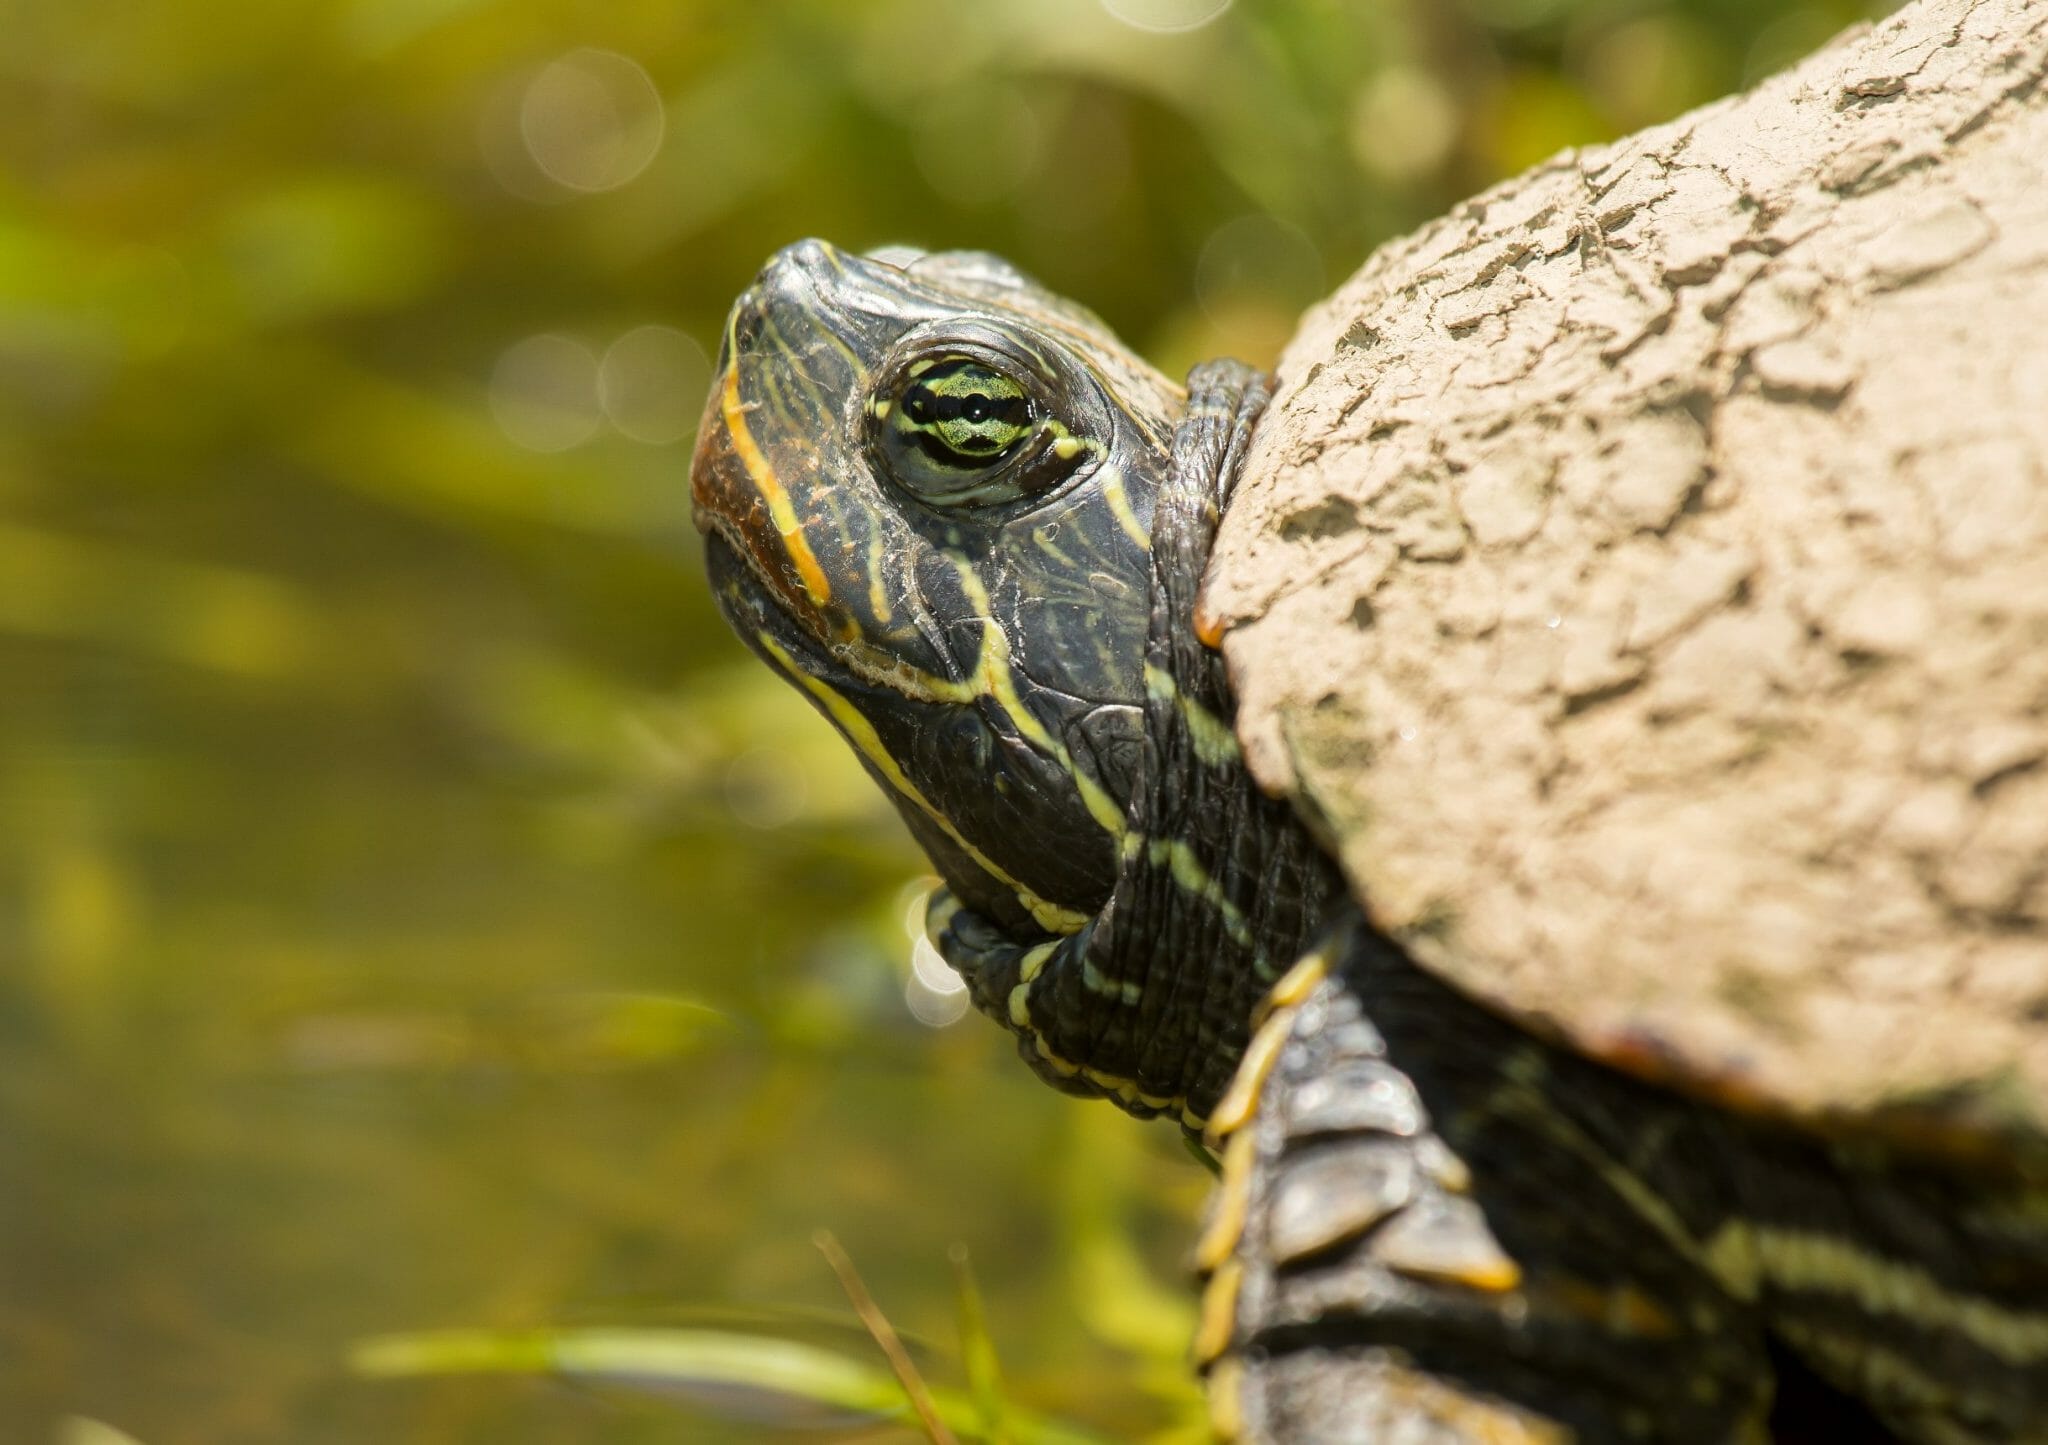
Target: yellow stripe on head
[
  {"x": 861, "y": 733},
  {"x": 770, "y": 487}
]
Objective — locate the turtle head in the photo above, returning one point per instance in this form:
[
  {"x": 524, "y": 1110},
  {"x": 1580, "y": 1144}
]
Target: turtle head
[
  {"x": 969, "y": 525},
  {"x": 928, "y": 491}
]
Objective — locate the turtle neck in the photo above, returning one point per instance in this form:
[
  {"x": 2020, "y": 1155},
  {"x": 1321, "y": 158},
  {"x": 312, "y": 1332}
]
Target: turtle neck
[{"x": 1218, "y": 887}]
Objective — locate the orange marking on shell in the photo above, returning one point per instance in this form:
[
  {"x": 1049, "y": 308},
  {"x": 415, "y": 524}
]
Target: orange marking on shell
[
  {"x": 1648, "y": 1056},
  {"x": 1944, "y": 1130},
  {"x": 1497, "y": 1275},
  {"x": 1625, "y": 1307}
]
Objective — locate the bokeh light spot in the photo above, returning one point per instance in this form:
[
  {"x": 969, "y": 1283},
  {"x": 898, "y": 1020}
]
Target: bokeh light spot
[
  {"x": 935, "y": 995},
  {"x": 651, "y": 384},
  {"x": 1403, "y": 124},
  {"x": 912, "y": 899},
  {"x": 591, "y": 120},
  {"x": 1258, "y": 256},
  {"x": 1166, "y": 15},
  {"x": 544, "y": 393},
  {"x": 1088, "y": 162},
  {"x": 936, "y": 974},
  {"x": 977, "y": 147},
  {"x": 1652, "y": 68},
  {"x": 1535, "y": 114}
]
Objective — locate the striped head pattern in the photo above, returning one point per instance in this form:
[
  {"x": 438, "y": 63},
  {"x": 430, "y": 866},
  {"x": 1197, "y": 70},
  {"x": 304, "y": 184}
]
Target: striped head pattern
[{"x": 928, "y": 493}]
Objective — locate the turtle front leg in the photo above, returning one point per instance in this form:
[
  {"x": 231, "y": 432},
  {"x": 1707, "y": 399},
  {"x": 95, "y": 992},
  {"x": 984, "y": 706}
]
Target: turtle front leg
[{"x": 1432, "y": 1229}]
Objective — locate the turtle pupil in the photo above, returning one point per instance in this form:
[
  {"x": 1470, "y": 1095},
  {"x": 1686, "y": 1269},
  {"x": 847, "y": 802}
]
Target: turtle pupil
[{"x": 961, "y": 414}]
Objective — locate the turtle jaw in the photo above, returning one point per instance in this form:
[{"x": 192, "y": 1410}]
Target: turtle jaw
[{"x": 958, "y": 782}]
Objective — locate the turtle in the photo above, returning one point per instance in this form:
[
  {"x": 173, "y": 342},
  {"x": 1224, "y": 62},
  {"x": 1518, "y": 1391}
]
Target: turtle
[{"x": 971, "y": 527}]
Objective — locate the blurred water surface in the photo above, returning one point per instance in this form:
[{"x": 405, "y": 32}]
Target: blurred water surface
[{"x": 414, "y": 910}]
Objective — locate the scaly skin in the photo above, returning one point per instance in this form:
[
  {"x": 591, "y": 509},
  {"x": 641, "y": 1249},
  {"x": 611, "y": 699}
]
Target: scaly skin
[
  {"x": 1006, "y": 643},
  {"x": 969, "y": 526}
]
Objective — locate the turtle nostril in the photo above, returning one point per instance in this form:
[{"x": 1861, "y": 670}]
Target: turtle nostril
[{"x": 745, "y": 329}]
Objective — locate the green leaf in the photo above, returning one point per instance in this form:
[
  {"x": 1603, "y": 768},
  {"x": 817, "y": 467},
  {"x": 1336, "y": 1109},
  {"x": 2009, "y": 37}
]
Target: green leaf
[{"x": 727, "y": 1373}]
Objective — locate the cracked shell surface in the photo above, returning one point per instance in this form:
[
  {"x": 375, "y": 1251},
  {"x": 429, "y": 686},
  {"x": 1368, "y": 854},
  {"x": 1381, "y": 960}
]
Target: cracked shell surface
[{"x": 1651, "y": 607}]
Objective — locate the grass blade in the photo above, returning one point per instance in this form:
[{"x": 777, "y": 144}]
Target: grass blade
[
  {"x": 729, "y": 1373},
  {"x": 885, "y": 1336},
  {"x": 978, "y": 1350}
]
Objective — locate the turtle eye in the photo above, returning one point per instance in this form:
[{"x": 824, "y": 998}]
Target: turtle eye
[
  {"x": 963, "y": 414},
  {"x": 951, "y": 427}
]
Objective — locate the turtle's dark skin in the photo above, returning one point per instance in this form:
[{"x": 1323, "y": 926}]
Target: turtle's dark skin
[{"x": 969, "y": 525}]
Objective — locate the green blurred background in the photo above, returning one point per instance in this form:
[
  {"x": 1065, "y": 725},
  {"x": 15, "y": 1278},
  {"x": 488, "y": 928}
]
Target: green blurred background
[{"x": 414, "y": 910}]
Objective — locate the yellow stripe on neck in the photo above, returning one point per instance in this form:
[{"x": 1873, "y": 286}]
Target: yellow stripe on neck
[{"x": 861, "y": 733}]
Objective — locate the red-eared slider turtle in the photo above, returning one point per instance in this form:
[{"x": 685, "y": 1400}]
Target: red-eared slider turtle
[{"x": 970, "y": 526}]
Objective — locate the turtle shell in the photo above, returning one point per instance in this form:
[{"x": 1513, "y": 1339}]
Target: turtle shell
[{"x": 1640, "y": 582}]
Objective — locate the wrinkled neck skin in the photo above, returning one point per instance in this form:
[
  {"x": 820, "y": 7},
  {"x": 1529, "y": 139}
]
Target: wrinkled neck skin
[{"x": 1218, "y": 887}]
